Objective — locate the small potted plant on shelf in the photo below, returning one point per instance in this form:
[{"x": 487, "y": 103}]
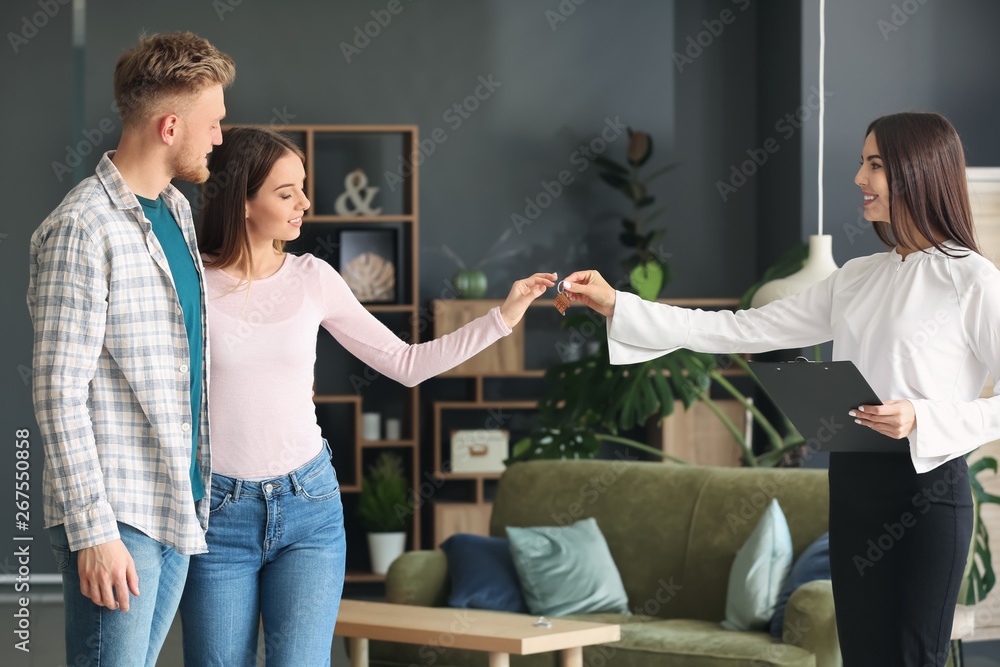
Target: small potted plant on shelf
[
  {"x": 384, "y": 510},
  {"x": 470, "y": 282}
]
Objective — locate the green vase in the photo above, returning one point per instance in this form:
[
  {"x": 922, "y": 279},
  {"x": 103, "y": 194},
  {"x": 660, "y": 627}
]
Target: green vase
[{"x": 470, "y": 284}]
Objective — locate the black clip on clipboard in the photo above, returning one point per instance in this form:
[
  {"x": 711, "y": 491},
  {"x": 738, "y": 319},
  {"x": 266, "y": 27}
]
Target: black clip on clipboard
[{"x": 817, "y": 395}]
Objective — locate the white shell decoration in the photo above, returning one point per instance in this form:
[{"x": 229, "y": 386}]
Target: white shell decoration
[{"x": 370, "y": 277}]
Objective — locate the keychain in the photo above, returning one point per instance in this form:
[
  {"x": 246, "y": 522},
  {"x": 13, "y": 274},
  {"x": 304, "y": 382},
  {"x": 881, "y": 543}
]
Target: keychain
[{"x": 561, "y": 301}]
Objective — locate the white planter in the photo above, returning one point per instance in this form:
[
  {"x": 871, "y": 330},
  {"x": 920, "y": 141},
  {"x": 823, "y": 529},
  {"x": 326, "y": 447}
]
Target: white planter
[{"x": 385, "y": 548}]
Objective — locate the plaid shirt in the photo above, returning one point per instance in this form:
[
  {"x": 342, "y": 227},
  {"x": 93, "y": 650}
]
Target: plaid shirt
[{"x": 111, "y": 381}]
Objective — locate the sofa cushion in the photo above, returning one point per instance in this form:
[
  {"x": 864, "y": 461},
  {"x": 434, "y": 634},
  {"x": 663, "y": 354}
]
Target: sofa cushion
[
  {"x": 645, "y": 642},
  {"x": 567, "y": 569},
  {"x": 759, "y": 570},
  {"x": 629, "y": 499},
  {"x": 482, "y": 574},
  {"x": 729, "y": 506},
  {"x": 813, "y": 564}
]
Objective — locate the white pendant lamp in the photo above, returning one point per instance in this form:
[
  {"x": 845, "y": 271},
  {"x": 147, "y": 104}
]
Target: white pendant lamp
[{"x": 820, "y": 263}]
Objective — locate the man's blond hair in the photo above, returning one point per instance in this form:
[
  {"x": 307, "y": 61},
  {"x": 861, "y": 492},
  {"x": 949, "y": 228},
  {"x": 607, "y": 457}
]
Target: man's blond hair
[{"x": 161, "y": 68}]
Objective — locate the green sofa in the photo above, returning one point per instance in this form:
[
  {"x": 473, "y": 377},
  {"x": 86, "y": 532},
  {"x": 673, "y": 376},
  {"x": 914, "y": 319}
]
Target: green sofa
[{"x": 673, "y": 532}]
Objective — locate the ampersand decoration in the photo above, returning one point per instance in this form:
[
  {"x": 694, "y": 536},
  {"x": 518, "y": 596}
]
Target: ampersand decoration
[{"x": 360, "y": 195}]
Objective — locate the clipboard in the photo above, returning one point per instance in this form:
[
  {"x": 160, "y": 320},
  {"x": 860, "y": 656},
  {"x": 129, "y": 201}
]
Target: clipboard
[{"x": 817, "y": 395}]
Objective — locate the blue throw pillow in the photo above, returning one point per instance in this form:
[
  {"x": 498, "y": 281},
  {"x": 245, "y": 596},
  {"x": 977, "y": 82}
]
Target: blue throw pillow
[
  {"x": 760, "y": 567},
  {"x": 482, "y": 574},
  {"x": 567, "y": 570},
  {"x": 813, "y": 564}
]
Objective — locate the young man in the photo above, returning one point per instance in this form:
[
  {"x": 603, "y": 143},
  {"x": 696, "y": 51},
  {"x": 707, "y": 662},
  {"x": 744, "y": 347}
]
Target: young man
[{"x": 121, "y": 362}]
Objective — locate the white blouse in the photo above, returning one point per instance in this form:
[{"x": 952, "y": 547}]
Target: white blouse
[{"x": 925, "y": 328}]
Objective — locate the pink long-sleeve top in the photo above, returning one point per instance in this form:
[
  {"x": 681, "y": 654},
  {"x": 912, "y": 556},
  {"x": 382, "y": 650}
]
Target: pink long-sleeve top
[{"x": 263, "y": 352}]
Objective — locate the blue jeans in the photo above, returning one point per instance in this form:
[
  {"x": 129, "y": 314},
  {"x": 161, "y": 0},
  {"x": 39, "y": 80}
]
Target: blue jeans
[
  {"x": 101, "y": 637},
  {"x": 276, "y": 551}
]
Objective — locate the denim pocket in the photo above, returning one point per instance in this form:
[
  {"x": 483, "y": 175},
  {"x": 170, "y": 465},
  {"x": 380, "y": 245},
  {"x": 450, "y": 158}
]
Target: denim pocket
[
  {"x": 62, "y": 555},
  {"x": 220, "y": 500},
  {"x": 322, "y": 485}
]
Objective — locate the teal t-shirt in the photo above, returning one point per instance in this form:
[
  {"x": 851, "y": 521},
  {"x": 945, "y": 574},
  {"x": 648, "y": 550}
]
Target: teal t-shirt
[{"x": 185, "y": 274}]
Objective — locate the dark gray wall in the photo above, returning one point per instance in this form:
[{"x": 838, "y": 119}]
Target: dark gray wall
[
  {"x": 36, "y": 110},
  {"x": 880, "y": 59},
  {"x": 558, "y": 87}
]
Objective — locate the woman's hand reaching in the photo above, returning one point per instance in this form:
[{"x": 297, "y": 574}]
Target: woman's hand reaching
[
  {"x": 591, "y": 289},
  {"x": 522, "y": 294}
]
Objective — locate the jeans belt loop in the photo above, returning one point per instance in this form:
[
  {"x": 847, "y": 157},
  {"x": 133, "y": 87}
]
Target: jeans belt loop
[
  {"x": 236, "y": 490},
  {"x": 296, "y": 487}
]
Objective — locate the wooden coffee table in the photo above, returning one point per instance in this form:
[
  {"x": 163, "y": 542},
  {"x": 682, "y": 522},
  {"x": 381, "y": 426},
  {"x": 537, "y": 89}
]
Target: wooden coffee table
[{"x": 497, "y": 633}]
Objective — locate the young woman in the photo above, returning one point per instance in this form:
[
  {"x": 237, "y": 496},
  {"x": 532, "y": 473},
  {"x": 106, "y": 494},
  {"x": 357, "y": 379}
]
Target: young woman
[
  {"x": 922, "y": 323},
  {"x": 276, "y": 531}
]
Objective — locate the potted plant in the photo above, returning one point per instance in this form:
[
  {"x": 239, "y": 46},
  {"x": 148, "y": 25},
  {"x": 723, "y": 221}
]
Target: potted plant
[
  {"x": 646, "y": 267},
  {"x": 384, "y": 510},
  {"x": 470, "y": 281}
]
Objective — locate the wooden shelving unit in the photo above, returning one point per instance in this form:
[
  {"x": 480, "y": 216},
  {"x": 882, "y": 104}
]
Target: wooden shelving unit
[
  {"x": 306, "y": 136},
  {"x": 502, "y": 360}
]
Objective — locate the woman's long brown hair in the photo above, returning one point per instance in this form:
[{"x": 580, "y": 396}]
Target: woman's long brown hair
[
  {"x": 238, "y": 169},
  {"x": 928, "y": 193}
]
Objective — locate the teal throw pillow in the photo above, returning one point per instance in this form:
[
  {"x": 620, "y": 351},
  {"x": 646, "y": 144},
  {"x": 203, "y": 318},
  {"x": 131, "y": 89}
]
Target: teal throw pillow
[
  {"x": 567, "y": 570},
  {"x": 758, "y": 572}
]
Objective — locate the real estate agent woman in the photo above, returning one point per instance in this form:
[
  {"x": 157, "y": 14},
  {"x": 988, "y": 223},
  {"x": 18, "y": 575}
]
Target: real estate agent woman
[
  {"x": 878, "y": 310},
  {"x": 276, "y": 532}
]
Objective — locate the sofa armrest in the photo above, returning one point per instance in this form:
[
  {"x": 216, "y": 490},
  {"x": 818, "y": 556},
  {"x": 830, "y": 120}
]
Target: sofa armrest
[
  {"x": 810, "y": 623},
  {"x": 419, "y": 578}
]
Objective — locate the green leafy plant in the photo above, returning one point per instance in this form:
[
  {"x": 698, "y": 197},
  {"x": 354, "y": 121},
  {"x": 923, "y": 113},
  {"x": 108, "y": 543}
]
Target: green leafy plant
[
  {"x": 979, "y": 576},
  {"x": 383, "y": 505},
  {"x": 646, "y": 267},
  {"x": 589, "y": 401}
]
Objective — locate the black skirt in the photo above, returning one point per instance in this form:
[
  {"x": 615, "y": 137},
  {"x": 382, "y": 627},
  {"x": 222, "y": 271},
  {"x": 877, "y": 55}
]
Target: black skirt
[{"x": 899, "y": 542}]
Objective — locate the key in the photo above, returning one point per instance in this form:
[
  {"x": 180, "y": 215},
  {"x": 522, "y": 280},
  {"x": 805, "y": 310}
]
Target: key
[{"x": 561, "y": 301}]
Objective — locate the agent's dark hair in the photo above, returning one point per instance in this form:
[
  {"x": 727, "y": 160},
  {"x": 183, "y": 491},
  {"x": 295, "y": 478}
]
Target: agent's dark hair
[
  {"x": 928, "y": 193},
  {"x": 238, "y": 169}
]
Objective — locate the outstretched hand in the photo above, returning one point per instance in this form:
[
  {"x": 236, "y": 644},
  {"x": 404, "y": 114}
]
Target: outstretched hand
[
  {"x": 522, "y": 293},
  {"x": 591, "y": 289}
]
